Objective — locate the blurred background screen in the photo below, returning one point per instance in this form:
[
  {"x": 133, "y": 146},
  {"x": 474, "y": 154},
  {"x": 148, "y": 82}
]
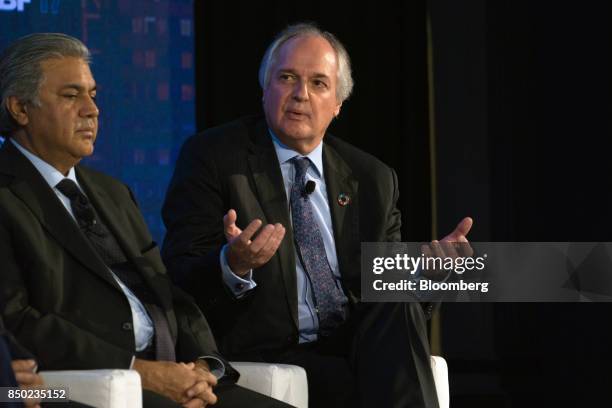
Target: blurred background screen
[{"x": 143, "y": 63}]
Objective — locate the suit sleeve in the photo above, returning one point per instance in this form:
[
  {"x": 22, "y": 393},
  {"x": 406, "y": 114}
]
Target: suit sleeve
[
  {"x": 194, "y": 339},
  {"x": 394, "y": 220},
  {"x": 394, "y": 234},
  {"x": 193, "y": 214},
  {"x": 18, "y": 352},
  {"x": 55, "y": 342}
]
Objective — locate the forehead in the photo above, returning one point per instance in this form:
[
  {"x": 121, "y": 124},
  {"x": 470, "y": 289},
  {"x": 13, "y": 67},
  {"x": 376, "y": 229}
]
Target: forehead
[
  {"x": 58, "y": 72},
  {"x": 312, "y": 53}
]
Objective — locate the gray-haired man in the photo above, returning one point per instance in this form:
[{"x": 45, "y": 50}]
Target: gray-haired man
[
  {"x": 279, "y": 278},
  {"x": 82, "y": 283}
]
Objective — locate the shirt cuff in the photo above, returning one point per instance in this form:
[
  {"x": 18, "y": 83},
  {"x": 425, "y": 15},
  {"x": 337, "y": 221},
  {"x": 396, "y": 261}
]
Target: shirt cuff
[
  {"x": 132, "y": 362},
  {"x": 237, "y": 285},
  {"x": 217, "y": 367}
]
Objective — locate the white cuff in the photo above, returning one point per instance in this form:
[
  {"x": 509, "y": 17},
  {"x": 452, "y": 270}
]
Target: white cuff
[
  {"x": 217, "y": 368},
  {"x": 237, "y": 285}
]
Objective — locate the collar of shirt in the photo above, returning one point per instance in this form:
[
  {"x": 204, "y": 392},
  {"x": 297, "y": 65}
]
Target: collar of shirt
[
  {"x": 51, "y": 175},
  {"x": 285, "y": 153}
]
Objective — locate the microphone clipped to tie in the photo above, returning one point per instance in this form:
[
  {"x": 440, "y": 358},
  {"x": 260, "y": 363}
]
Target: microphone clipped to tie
[{"x": 309, "y": 187}]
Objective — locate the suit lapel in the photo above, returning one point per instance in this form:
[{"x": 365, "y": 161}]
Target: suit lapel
[
  {"x": 116, "y": 219},
  {"x": 270, "y": 191},
  {"x": 342, "y": 190},
  {"x": 29, "y": 185}
]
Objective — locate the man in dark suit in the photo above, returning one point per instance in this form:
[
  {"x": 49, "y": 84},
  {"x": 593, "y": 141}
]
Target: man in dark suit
[
  {"x": 82, "y": 283},
  {"x": 289, "y": 291}
]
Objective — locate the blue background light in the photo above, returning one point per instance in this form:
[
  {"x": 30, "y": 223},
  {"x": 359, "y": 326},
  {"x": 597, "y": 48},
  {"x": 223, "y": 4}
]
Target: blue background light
[{"x": 143, "y": 63}]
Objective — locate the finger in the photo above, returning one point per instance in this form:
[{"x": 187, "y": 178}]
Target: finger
[
  {"x": 464, "y": 248},
  {"x": 460, "y": 231},
  {"x": 249, "y": 231},
  {"x": 229, "y": 225},
  {"x": 229, "y": 220},
  {"x": 199, "y": 387},
  {"x": 437, "y": 249},
  {"x": 194, "y": 403},
  {"x": 464, "y": 227},
  {"x": 209, "y": 397},
  {"x": 262, "y": 238},
  {"x": 208, "y": 377},
  {"x": 26, "y": 378},
  {"x": 449, "y": 249},
  {"x": 23, "y": 365},
  {"x": 272, "y": 245}
]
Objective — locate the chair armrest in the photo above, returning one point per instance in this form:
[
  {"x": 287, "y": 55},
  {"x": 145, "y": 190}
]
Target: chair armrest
[
  {"x": 99, "y": 388},
  {"x": 284, "y": 382},
  {"x": 439, "y": 369}
]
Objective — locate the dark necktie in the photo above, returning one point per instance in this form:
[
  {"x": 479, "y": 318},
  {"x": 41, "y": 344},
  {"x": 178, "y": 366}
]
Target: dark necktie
[
  {"x": 329, "y": 297},
  {"x": 109, "y": 250}
]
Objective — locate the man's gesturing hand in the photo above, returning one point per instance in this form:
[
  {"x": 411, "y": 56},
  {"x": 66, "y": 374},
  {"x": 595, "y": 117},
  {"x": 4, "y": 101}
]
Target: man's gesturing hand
[
  {"x": 460, "y": 232},
  {"x": 454, "y": 245},
  {"x": 245, "y": 253}
]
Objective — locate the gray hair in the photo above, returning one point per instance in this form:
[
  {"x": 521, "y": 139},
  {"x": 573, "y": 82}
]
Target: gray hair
[
  {"x": 21, "y": 72},
  {"x": 345, "y": 78}
]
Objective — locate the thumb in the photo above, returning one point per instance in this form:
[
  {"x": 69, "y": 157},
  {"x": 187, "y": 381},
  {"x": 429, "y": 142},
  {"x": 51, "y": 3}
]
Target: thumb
[
  {"x": 229, "y": 222},
  {"x": 460, "y": 231},
  {"x": 229, "y": 219},
  {"x": 464, "y": 226}
]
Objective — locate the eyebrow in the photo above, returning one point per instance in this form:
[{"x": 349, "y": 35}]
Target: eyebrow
[
  {"x": 291, "y": 71},
  {"x": 78, "y": 87}
]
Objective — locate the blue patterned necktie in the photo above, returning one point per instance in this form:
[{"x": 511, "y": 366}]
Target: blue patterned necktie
[{"x": 329, "y": 297}]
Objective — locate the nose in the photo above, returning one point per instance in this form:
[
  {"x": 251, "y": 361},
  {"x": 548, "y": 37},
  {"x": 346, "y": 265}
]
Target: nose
[
  {"x": 89, "y": 108},
  {"x": 300, "y": 91}
]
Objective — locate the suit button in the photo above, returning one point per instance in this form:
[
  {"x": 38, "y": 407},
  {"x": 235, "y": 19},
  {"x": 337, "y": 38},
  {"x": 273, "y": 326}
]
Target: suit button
[
  {"x": 127, "y": 326},
  {"x": 239, "y": 286}
]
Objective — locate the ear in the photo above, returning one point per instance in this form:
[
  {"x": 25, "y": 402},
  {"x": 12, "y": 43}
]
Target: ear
[
  {"x": 18, "y": 110},
  {"x": 337, "y": 110}
]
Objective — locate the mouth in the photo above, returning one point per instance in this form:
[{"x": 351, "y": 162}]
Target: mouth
[
  {"x": 87, "y": 133},
  {"x": 296, "y": 115}
]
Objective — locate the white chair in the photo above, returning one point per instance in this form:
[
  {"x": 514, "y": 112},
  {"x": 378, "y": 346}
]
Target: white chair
[
  {"x": 281, "y": 381},
  {"x": 99, "y": 388},
  {"x": 440, "y": 375},
  {"x": 122, "y": 388},
  {"x": 288, "y": 383}
]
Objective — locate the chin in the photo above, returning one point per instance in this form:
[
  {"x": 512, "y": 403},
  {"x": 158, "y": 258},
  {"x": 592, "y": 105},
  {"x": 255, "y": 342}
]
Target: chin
[
  {"x": 297, "y": 132},
  {"x": 85, "y": 151}
]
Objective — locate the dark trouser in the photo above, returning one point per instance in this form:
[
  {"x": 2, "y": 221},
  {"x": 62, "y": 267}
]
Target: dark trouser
[
  {"x": 378, "y": 358},
  {"x": 229, "y": 396}
]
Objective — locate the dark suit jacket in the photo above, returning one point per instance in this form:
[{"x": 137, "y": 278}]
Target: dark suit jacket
[
  {"x": 235, "y": 166},
  {"x": 56, "y": 294},
  {"x": 16, "y": 350},
  {"x": 9, "y": 350}
]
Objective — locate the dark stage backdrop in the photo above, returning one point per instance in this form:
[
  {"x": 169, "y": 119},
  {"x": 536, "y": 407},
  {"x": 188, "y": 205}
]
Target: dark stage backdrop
[
  {"x": 521, "y": 96},
  {"x": 523, "y": 126},
  {"x": 387, "y": 114},
  {"x": 143, "y": 62}
]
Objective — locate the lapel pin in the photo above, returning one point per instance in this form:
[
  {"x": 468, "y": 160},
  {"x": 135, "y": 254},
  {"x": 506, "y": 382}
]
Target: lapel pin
[{"x": 344, "y": 199}]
